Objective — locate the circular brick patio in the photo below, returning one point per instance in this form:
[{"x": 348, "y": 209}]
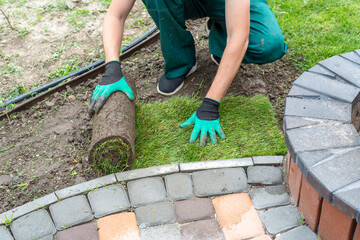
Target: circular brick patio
[{"x": 321, "y": 124}]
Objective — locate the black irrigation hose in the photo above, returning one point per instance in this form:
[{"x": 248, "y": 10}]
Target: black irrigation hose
[{"x": 76, "y": 73}]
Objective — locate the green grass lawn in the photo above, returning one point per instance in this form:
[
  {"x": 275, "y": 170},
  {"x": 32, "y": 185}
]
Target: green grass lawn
[
  {"x": 318, "y": 29},
  {"x": 249, "y": 125}
]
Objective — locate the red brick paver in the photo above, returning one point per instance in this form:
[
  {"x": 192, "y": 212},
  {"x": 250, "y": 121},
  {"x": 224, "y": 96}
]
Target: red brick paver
[
  {"x": 238, "y": 217},
  {"x": 82, "y": 232},
  {"x": 194, "y": 209},
  {"x": 310, "y": 204},
  {"x": 122, "y": 226},
  {"x": 334, "y": 224},
  {"x": 288, "y": 162},
  {"x": 357, "y": 232},
  {"x": 294, "y": 182},
  {"x": 202, "y": 230}
]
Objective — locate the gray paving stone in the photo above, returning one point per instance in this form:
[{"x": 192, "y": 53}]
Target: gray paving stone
[
  {"x": 18, "y": 212},
  {"x": 148, "y": 172},
  {"x": 109, "y": 199},
  {"x": 352, "y": 56},
  {"x": 291, "y": 122},
  {"x": 264, "y": 175},
  {"x": 357, "y": 52},
  {"x": 202, "y": 230},
  {"x": 87, "y": 231},
  {"x": 329, "y": 110},
  {"x": 320, "y": 69},
  {"x": 36, "y": 225},
  {"x": 194, "y": 209},
  {"x": 358, "y": 218},
  {"x": 179, "y": 186},
  {"x": 5, "y": 234},
  {"x": 28, "y": 207},
  {"x": 297, "y": 91},
  {"x": 268, "y": 160},
  {"x": 299, "y": 233},
  {"x": 204, "y": 165},
  {"x": 329, "y": 176},
  {"x": 163, "y": 232},
  {"x": 271, "y": 196},
  {"x": 45, "y": 200},
  {"x": 86, "y": 186},
  {"x": 347, "y": 199},
  {"x": 219, "y": 181},
  {"x": 328, "y": 86},
  {"x": 71, "y": 212},
  {"x": 344, "y": 68},
  {"x": 155, "y": 214},
  {"x": 321, "y": 137},
  {"x": 280, "y": 219},
  {"x": 305, "y": 160},
  {"x": 50, "y": 237},
  {"x": 146, "y": 190}
]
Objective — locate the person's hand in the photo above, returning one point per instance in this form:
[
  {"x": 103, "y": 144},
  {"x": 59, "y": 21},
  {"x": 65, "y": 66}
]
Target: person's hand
[
  {"x": 112, "y": 80},
  {"x": 207, "y": 121}
]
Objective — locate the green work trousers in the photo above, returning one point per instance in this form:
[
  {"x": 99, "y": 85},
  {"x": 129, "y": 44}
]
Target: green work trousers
[{"x": 266, "y": 42}]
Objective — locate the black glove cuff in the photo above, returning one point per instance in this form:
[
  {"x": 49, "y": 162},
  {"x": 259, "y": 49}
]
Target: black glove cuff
[
  {"x": 209, "y": 110},
  {"x": 112, "y": 73}
]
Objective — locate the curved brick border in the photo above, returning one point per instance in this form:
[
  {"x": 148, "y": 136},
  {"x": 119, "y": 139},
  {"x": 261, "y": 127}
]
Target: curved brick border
[{"x": 321, "y": 124}]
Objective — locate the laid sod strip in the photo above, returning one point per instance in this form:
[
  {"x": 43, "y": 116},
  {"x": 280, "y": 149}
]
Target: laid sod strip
[
  {"x": 112, "y": 142},
  {"x": 318, "y": 29},
  {"x": 249, "y": 125}
]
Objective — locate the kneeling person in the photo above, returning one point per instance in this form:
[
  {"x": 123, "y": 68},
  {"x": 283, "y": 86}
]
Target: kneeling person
[{"x": 240, "y": 31}]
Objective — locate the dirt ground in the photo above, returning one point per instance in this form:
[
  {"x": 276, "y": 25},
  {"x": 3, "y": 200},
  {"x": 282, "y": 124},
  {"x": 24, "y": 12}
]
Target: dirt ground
[
  {"x": 49, "y": 38},
  {"x": 45, "y": 148}
]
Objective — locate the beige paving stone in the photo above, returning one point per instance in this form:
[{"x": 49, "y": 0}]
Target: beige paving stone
[
  {"x": 238, "y": 217},
  {"x": 122, "y": 226}
]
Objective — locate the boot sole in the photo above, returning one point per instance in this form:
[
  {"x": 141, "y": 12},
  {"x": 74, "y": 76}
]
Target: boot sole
[{"x": 214, "y": 60}]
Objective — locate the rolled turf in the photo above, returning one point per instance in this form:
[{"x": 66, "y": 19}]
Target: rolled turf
[{"x": 113, "y": 136}]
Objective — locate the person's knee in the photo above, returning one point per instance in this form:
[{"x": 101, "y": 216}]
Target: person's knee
[
  {"x": 272, "y": 49},
  {"x": 265, "y": 49}
]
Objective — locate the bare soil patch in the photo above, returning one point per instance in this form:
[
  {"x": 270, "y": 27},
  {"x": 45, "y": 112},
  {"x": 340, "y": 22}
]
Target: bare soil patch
[
  {"x": 45, "y": 148},
  {"x": 49, "y": 38}
]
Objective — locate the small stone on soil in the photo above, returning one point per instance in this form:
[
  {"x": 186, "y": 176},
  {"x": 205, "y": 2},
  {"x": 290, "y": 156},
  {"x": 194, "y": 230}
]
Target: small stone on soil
[
  {"x": 5, "y": 180},
  {"x": 68, "y": 88},
  {"x": 49, "y": 104},
  {"x": 72, "y": 98},
  {"x": 79, "y": 166},
  {"x": 79, "y": 180}
]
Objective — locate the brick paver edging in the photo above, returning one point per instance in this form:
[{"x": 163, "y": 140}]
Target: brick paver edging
[
  {"x": 321, "y": 124},
  {"x": 73, "y": 197}
]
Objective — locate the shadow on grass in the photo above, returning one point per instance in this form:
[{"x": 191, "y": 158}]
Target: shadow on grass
[{"x": 249, "y": 125}]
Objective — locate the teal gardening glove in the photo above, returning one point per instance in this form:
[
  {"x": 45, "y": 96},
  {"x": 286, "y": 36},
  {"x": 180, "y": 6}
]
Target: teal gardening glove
[
  {"x": 206, "y": 120},
  {"x": 112, "y": 80}
]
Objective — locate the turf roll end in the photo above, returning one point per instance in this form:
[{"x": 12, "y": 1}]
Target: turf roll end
[{"x": 111, "y": 156}]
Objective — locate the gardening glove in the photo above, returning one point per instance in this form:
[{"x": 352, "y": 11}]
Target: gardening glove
[
  {"x": 112, "y": 80},
  {"x": 206, "y": 120}
]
